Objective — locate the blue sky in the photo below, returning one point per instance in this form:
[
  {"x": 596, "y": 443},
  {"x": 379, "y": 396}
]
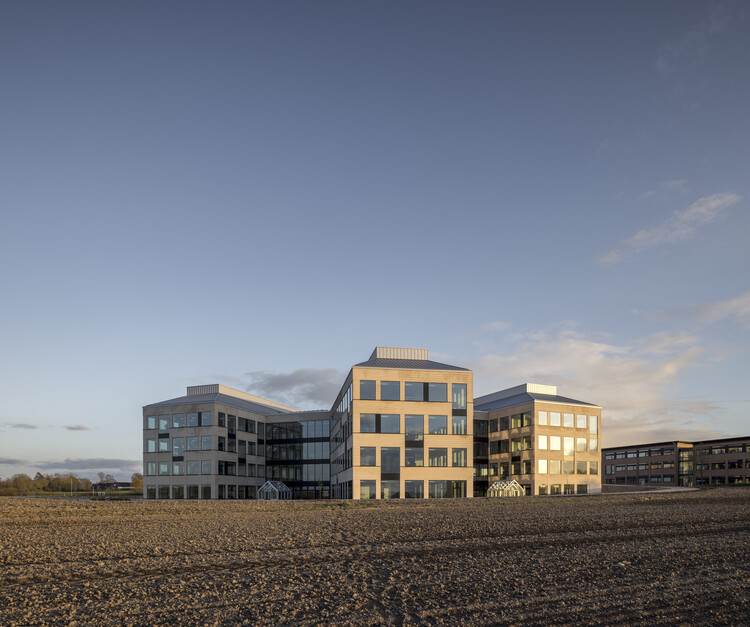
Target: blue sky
[{"x": 259, "y": 193}]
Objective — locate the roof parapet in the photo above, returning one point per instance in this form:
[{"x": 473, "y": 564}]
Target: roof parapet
[
  {"x": 397, "y": 352},
  {"x": 525, "y": 388},
  {"x": 217, "y": 388}
]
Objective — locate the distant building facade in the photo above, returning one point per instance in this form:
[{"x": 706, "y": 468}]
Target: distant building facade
[
  {"x": 548, "y": 443},
  {"x": 402, "y": 426},
  {"x": 724, "y": 461}
]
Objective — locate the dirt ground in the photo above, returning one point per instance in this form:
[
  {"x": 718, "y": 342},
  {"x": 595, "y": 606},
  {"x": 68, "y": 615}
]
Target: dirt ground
[{"x": 655, "y": 559}]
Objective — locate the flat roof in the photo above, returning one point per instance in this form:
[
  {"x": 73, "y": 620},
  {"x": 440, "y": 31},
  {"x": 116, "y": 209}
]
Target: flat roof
[
  {"x": 224, "y": 399},
  {"x": 407, "y": 364}
]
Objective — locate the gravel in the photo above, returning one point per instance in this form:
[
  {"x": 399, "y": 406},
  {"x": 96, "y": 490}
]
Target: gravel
[{"x": 656, "y": 559}]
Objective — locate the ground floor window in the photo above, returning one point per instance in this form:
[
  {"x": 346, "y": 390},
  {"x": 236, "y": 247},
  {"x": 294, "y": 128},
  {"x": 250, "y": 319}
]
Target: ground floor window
[
  {"x": 178, "y": 492},
  {"x": 367, "y": 489},
  {"x": 389, "y": 489},
  {"x": 438, "y": 489},
  {"x": 163, "y": 491},
  {"x": 555, "y": 488},
  {"x": 542, "y": 488},
  {"x": 206, "y": 492},
  {"x": 414, "y": 489},
  {"x": 569, "y": 488},
  {"x": 151, "y": 492},
  {"x": 192, "y": 491},
  {"x": 582, "y": 488}
]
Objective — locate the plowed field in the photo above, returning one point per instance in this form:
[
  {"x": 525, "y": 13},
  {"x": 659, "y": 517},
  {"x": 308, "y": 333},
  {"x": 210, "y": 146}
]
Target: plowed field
[{"x": 681, "y": 558}]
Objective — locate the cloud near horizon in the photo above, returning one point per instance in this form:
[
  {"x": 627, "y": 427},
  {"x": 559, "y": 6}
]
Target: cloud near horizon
[
  {"x": 76, "y": 427},
  {"x": 94, "y": 464},
  {"x": 629, "y": 381},
  {"x": 680, "y": 226}
]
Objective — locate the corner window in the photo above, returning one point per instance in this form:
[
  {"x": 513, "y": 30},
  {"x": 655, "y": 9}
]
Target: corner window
[
  {"x": 390, "y": 390},
  {"x": 459, "y": 425},
  {"x": 366, "y": 455},
  {"x": 151, "y": 445},
  {"x": 367, "y": 423},
  {"x": 593, "y": 424},
  {"x": 205, "y": 419},
  {"x": 543, "y": 442},
  {"x": 458, "y": 392},
  {"x": 205, "y": 442},
  {"x": 459, "y": 457},
  {"x": 542, "y": 418},
  {"x": 150, "y": 422},
  {"x": 367, "y": 390},
  {"x": 581, "y": 421}
]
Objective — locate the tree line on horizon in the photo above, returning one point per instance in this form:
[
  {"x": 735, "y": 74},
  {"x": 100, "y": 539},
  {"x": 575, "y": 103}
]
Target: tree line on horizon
[{"x": 21, "y": 483}]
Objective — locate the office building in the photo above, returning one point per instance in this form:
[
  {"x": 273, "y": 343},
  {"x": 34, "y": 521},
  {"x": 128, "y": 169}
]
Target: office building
[{"x": 723, "y": 461}]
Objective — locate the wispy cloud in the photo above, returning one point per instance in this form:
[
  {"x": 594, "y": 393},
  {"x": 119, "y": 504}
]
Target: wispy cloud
[
  {"x": 679, "y": 186},
  {"x": 680, "y": 226},
  {"x": 737, "y": 308},
  {"x": 9, "y": 461},
  {"x": 19, "y": 425},
  {"x": 633, "y": 382},
  {"x": 76, "y": 427},
  {"x": 691, "y": 48}
]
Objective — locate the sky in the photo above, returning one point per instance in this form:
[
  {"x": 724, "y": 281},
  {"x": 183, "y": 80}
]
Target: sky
[{"x": 259, "y": 193}]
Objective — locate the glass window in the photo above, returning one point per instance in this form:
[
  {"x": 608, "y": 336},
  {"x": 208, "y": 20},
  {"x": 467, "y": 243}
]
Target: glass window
[
  {"x": 458, "y": 391},
  {"x": 192, "y": 419},
  {"x": 542, "y": 417},
  {"x": 164, "y": 468},
  {"x": 581, "y": 445},
  {"x": 568, "y": 446},
  {"x": 193, "y": 467},
  {"x": 205, "y": 419},
  {"x": 569, "y": 467},
  {"x": 367, "y": 489},
  {"x": 554, "y": 419},
  {"x": 437, "y": 392},
  {"x": 390, "y": 391},
  {"x": 367, "y": 390},
  {"x": 151, "y": 468},
  {"x": 367, "y": 423},
  {"x": 178, "y": 446},
  {"x": 191, "y": 443},
  {"x": 414, "y": 489},
  {"x": 459, "y": 425},
  {"x": 593, "y": 444},
  {"x": 178, "y": 492},
  {"x": 150, "y": 422},
  {"x": 163, "y": 445},
  {"x": 366, "y": 455},
  {"x": 516, "y": 421},
  {"x": 438, "y": 489},
  {"x": 493, "y": 426},
  {"x": 568, "y": 421},
  {"x": 504, "y": 423},
  {"x": 178, "y": 421},
  {"x": 459, "y": 457},
  {"x": 542, "y": 489},
  {"x": 205, "y": 442},
  {"x": 593, "y": 424},
  {"x": 413, "y": 391},
  {"x": 414, "y": 457},
  {"x": 438, "y": 425},
  {"x": 206, "y": 467},
  {"x": 480, "y": 427},
  {"x": 222, "y": 420},
  {"x": 555, "y": 443},
  {"x": 527, "y": 443},
  {"x": 438, "y": 457},
  {"x": 390, "y": 459},
  {"x": 414, "y": 427},
  {"x": 581, "y": 421},
  {"x": 389, "y": 489},
  {"x": 164, "y": 423},
  {"x": 542, "y": 466},
  {"x": 151, "y": 445},
  {"x": 554, "y": 466},
  {"x": 543, "y": 442},
  {"x": 515, "y": 445},
  {"x": 581, "y": 468},
  {"x": 390, "y": 423}
]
